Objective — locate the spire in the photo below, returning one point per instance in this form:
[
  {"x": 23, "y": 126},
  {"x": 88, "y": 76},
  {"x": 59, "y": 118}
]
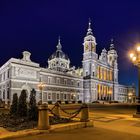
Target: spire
[
  {"x": 89, "y": 31},
  {"x": 59, "y": 46},
  {"x": 112, "y": 44}
]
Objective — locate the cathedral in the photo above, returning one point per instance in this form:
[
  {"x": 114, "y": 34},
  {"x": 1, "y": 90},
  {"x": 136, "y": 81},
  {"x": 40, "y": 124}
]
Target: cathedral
[{"x": 96, "y": 80}]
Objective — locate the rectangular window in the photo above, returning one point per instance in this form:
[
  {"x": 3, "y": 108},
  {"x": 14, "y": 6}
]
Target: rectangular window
[
  {"x": 72, "y": 83},
  {"x": 4, "y": 75},
  {"x": 3, "y": 94},
  {"x": 71, "y": 96},
  {"x": 49, "y": 96},
  {"x": 57, "y": 96},
  {"x": 49, "y": 80},
  {"x": 78, "y": 84},
  {"x": 65, "y": 96},
  {"x": 58, "y": 80},
  {"x": 8, "y": 93},
  {"x": 8, "y": 73},
  {"x": 78, "y": 97},
  {"x": 65, "y": 82}
]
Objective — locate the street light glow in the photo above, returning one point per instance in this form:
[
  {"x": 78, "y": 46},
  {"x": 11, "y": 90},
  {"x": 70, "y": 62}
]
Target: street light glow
[
  {"x": 134, "y": 58},
  {"x": 138, "y": 48},
  {"x": 136, "y": 61},
  {"x": 131, "y": 55}
]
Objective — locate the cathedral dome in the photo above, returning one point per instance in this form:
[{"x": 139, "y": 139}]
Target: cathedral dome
[
  {"x": 59, "y": 60},
  {"x": 59, "y": 53}
]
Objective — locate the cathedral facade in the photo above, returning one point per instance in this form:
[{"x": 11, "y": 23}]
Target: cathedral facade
[{"x": 96, "y": 80}]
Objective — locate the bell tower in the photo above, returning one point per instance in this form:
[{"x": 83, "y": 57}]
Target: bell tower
[
  {"x": 89, "y": 55},
  {"x": 90, "y": 58}
]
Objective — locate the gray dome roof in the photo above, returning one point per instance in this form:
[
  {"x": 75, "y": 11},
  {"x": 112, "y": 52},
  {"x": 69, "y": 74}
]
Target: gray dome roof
[{"x": 59, "y": 53}]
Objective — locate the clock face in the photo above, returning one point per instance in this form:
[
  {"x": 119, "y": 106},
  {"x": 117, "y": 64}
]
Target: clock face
[{"x": 86, "y": 48}]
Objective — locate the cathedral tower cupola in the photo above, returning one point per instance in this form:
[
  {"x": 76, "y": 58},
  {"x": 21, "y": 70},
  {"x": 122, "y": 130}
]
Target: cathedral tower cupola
[
  {"x": 112, "y": 54},
  {"x": 59, "y": 61},
  {"x": 89, "y": 31},
  {"x": 89, "y": 40},
  {"x": 103, "y": 56}
]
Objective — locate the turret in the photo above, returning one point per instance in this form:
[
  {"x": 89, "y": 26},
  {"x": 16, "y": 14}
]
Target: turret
[
  {"x": 112, "y": 60},
  {"x": 112, "y": 54}
]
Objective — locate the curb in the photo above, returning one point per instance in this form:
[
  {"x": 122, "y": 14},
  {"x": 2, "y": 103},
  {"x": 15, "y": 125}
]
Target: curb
[{"x": 54, "y": 128}]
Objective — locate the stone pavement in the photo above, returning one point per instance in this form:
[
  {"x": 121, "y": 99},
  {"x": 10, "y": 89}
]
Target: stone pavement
[{"x": 117, "y": 122}]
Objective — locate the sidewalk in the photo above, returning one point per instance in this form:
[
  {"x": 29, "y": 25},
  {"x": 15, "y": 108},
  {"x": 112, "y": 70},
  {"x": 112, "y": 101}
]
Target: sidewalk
[{"x": 4, "y": 134}]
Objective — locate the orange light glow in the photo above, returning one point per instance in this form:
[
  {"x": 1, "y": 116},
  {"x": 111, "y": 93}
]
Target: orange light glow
[
  {"x": 138, "y": 48},
  {"x": 131, "y": 55},
  {"x": 134, "y": 58}
]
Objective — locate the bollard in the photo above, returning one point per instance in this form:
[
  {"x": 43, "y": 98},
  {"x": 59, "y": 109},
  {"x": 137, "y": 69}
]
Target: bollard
[
  {"x": 84, "y": 113},
  {"x": 43, "y": 118},
  {"x": 56, "y": 110}
]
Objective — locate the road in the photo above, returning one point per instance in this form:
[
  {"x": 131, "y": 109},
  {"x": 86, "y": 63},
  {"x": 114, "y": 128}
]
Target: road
[{"x": 111, "y": 122}]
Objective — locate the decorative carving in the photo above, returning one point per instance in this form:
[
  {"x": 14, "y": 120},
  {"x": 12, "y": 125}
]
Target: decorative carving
[{"x": 25, "y": 73}]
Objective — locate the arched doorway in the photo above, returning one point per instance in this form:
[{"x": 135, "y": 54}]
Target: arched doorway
[{"x": 28, "y": 90}]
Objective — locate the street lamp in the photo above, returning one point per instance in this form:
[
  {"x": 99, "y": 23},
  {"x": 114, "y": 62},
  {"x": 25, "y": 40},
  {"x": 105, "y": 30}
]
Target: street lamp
[
  {"x": 130, "y": 97},
  {"x": 135, "y": 58},
  {"x": 41, "y": 86}
]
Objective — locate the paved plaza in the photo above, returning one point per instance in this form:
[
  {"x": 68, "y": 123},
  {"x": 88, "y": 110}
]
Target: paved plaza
[{"x": 110, "y": 122}]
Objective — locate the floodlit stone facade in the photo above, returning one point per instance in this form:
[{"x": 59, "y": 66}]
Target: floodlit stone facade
[{"x": 96, "y": 80}]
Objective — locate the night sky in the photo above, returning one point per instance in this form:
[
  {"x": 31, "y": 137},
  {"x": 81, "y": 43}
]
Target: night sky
[{"x": 34, "y": 25}]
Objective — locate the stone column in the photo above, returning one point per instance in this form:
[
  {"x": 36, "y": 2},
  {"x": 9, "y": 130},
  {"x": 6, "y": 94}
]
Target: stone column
[
  {"x": 43, "y": 118},
  {"x": 56, "y": 110},
  {"x": 84, "y": 113}
]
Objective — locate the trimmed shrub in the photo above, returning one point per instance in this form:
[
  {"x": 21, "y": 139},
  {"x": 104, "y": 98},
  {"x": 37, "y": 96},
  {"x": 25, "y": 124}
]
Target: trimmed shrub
[
  {"x": 33, "y": 110},
  {"x": 66, "y": 102},
  {"x": 49, "y": 102},
  {"x": 14, "y": 106},
  {"x": 73, "y": 102},
  {"x": 22, "y": 105},
  {"x": 79, "y": 102}
]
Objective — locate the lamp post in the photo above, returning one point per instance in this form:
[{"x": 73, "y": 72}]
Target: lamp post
[
  {"x": 41, "y": 87},
  {"x": 135, "y": 58},
  {"x": 130, "y": 97}
]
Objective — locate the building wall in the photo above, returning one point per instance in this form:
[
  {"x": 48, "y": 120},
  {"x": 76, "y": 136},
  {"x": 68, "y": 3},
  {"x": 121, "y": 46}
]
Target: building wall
[{"x": 17, "y": 75}]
